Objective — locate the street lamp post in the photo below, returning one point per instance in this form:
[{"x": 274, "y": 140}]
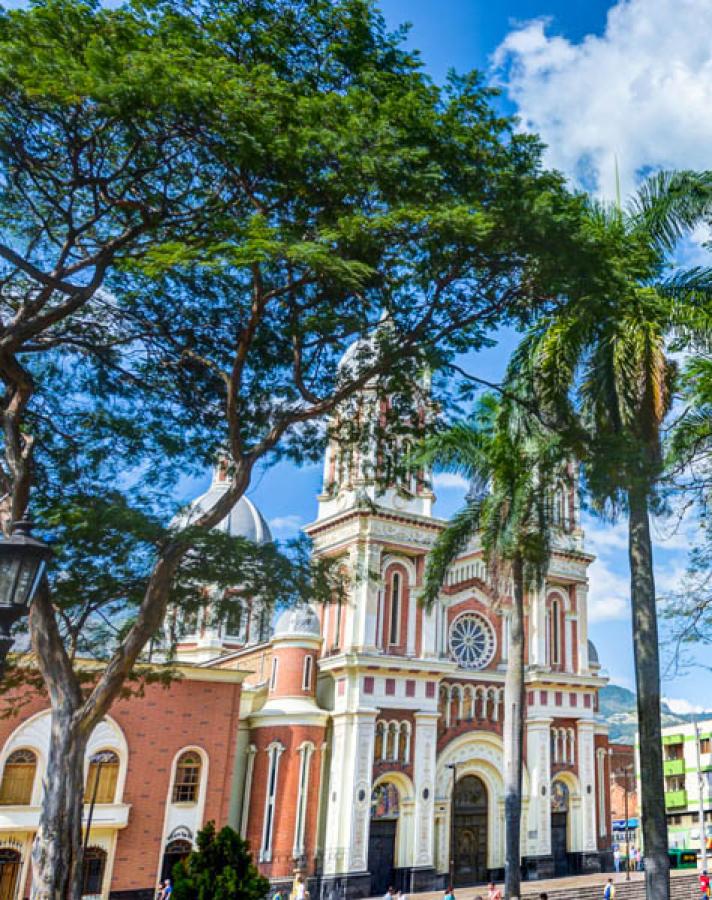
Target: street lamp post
[
  {"x": 452, "y": 766},
  {"x": 625, "y": 771},
  {"x": 23, "y": 561}
]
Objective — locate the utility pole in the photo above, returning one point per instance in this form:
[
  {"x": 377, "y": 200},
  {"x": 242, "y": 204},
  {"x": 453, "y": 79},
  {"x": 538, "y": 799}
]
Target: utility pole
[{"x": 701, "y": 790}]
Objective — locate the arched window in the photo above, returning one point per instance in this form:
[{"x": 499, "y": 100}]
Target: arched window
[
  {"x": 232, "y": 623},
  {"x": 307, "y": 676},
  {"x": 379, "y": 747},
  {"x": 394, "y": 627},
  {"x": 93, "y": 871},
  {"x": 18, "y": 779},
  {"x": 10, "y": 864},
  {"x": 187, "y": 780},
  {"x": 102, "y": 777},
  {"x": 404, "y": 743},
  {"x": 555, "y": 631}
]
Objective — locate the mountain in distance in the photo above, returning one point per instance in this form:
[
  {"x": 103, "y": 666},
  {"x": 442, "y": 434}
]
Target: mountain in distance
[{"x": 617, "y": 708}]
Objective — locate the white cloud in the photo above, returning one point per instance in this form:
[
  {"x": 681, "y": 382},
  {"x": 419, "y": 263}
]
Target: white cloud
[
  {"x": 609, "y": 593},
  {"x": 683, "y": 707},
  {"x": 285, "y": 526},
  {"x": 640, "y": 93},
  {"x": 450, "y": 480}
]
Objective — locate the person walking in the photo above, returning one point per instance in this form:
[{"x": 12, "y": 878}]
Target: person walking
[
  {"x": 493, "y": 892},
  {"x": 705, "y": 885},
  {"x": 609, "y": 892},
  {"x": 617, "y": 858},
  {"x": 449, "y": 894}
]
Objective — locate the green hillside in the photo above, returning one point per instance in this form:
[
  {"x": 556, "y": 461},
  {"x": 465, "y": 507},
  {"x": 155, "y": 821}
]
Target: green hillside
[{"x": 617, "y": 708}]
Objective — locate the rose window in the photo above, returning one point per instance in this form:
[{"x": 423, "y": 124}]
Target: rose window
[{"x": 472, "y": 641}]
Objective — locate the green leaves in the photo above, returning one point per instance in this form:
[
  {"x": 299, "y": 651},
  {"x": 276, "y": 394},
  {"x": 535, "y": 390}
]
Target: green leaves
[{"x": 220, "y": 869}]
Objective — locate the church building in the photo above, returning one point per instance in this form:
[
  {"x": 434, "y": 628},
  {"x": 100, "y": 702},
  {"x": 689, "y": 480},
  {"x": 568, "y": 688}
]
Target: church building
[
  {"x": 359, "y": 742},
  {"x": 370, "y": 750}
]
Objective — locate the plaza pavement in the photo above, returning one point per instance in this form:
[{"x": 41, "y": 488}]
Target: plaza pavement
[{"x": 553, "y": 886}]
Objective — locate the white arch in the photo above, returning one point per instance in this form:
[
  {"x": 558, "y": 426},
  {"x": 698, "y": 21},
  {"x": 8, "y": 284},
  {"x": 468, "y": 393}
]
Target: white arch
[
  {"x": 35, "y": 733},
  {"x": 391, "y": 558}
]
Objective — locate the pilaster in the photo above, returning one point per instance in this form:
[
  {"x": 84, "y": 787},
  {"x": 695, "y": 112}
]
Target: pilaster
[
  {"x": 424, "y": 784},
  {"x": 346, "y": 846},
  {"x": 588, "y": 782}
]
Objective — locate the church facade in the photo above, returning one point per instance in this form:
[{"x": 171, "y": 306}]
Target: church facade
[
  {"x": 371, "y": 750},
  {"x": 358, "y": 742}
]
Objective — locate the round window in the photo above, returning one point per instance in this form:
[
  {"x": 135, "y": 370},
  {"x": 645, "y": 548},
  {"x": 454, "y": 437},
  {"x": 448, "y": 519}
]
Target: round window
[{"x": 472, "y": 641}]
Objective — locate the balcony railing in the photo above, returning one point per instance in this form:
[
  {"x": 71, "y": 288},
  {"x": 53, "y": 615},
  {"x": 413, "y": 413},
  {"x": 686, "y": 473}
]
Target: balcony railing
[
  {"x": 675, "y": 799},
  {"x": 674, "y": 766}
]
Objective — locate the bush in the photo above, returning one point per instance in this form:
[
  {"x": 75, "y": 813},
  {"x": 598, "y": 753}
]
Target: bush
[{"x": 220, "y": 869}]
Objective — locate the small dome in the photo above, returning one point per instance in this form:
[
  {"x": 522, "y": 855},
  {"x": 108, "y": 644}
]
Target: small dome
[
  {"x": 243, "y": 520},
  {"x": 593, "y": 654},
  {"x": 300, "y": 620}
]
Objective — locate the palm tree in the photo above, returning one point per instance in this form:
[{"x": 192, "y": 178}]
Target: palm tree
[
  {"x": 513, "y": 466},
  {"x": 604, "y": 379}
]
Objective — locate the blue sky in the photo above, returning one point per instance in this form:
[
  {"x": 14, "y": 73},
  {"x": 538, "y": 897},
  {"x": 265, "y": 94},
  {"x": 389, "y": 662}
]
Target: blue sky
[{"x": 607, "y": 85}]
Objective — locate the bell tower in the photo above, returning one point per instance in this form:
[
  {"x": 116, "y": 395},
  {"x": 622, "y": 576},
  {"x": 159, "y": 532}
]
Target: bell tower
[{"x": 368, "y": 457}]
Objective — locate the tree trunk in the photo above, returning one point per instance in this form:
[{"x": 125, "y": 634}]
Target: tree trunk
[
  {"x": 647, "y": 678},
  {"x": 513, "y": 736},
  {"x": 57, "y": 849}
]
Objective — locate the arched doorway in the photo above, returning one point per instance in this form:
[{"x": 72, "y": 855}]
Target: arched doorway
[
  {"x": 93, "y": 872},
  {"x": 175, "y": 851},
  {"x": 385, "y": 809},
  {"x": 470, "y": 830},
  {"x": 560, "y": 827},
  {"x": 9, "y": 873}
]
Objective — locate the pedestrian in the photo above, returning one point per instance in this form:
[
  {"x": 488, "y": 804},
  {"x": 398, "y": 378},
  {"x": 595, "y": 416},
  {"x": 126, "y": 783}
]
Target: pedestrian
[
  {"x": 493, "y": 892},
  {"x": 638, "y": 860},
  {"x": 609, "y": 892},
  {"x": 630, "y": 862},
  {"x": 449, "y": 894},
  {"x": 543, "y": 896},
  {"x": 159, "y": 891},
  {"x": 705, "y": 885},
  {"x": 167, "y": 889},
  {"x": 616, "y": 858},
  {"x": 390, "y": 893},
  {"x": 402, "y": 896}
]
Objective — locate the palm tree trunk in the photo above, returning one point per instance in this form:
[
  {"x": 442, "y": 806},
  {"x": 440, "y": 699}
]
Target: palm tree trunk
[
  {"x": 647, "y": 677},
  {"x": 513, "y": 736}
]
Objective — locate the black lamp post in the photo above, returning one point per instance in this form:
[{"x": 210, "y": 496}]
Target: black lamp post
[{"x": 23, "y": 561}]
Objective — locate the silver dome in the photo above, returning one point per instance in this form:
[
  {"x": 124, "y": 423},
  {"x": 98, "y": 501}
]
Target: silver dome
[
  {"x": 299, "y": 620},
  {"x": 243, "y": 520}
]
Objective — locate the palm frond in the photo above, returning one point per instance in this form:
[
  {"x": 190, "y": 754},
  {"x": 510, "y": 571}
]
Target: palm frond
[
  {"x": 451, "y": 542},
  {"x": 669, "y": 205}
]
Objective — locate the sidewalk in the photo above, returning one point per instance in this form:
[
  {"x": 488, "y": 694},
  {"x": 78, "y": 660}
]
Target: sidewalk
[{"x": 551, "y": 885}]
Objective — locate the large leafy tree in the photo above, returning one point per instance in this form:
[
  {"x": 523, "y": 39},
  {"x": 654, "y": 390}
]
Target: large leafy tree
[
  {"x": 202, "y": 204},
  {"x": 515, "y": 465},
  {"x": 604, "y": 378}
]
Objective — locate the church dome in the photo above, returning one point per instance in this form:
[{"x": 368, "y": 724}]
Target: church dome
[
  {"x": 593, "y": 654},
  {"x": 301, "y": 620},
  {"x": 243, "y": 520}
]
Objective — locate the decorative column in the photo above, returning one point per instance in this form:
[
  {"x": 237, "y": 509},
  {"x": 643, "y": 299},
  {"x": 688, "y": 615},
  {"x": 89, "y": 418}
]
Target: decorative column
[
  {"x": 349, "y": 802},
  {"x": 424, "y": 781},
  {"x": 539, "y": 765},
  {"x": 588, "y": 785},
  {"x": 537, "y": 619},
  {"x": 582, "y": 610},
  {"x": 361, "y": 629}
]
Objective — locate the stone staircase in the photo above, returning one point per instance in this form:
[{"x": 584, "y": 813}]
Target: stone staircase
[{"x": 682, "y": 887}]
